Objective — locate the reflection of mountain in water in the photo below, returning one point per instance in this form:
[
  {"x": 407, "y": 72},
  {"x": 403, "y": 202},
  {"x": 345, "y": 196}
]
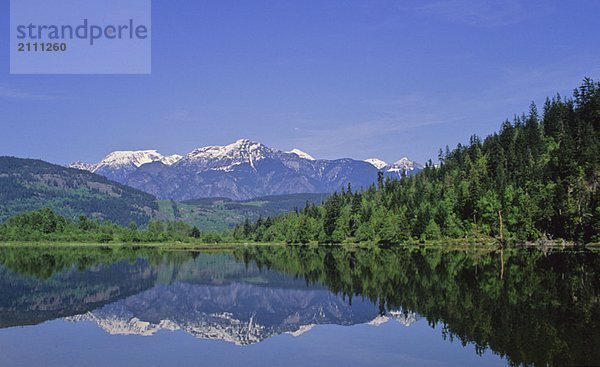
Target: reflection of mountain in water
[
  {"x": 210, "y": 296},
  {"x": 25, "y": 300},
  {"x": 535, "y": 307},
  {"x": 405, "y": 318},
  {"x": 240, "y": 313}
]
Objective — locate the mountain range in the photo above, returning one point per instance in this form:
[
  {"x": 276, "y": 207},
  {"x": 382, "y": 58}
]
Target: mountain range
[{"x": 239, "y": 171}]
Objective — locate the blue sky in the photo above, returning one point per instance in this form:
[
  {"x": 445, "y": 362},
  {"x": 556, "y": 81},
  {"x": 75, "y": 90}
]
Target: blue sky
[{"x": 335, "y": 78}]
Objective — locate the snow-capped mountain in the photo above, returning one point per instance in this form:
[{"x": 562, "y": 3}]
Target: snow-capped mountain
[
  {"x": 225, "y": 158},
  {"x": 378, "y": 163},
  {"x": 242, "y": 170},
  {"x": 128, "y": 159},
  {"x": 404, "y": 165},
  {"x": 170, "y": 159},
  {"x": 302, "y": 154}
]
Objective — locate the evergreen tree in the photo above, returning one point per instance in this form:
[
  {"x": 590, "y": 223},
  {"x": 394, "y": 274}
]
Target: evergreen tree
[{"x": 541, "y": 172}]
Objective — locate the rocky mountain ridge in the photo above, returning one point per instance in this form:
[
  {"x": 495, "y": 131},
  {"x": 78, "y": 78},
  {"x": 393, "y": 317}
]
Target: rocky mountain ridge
[{"x": 242, "y": 170}]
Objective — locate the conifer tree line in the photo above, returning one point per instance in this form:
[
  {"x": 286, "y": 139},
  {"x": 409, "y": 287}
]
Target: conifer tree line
[{"x": 535, "y": 178}]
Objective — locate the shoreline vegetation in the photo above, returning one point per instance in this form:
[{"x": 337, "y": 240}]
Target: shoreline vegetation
[
  {"x": 451, "y": 244},
  {"x": 44, "y": 228},
  {"x": 533, "y": 183}
]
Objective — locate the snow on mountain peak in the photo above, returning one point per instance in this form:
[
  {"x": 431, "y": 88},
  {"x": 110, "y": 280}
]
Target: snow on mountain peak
[
  {"x": 243, "y": 149},
  {"x": 302, "y": 154},
  {"x": 404, "y": 164},
  {"x": 131, "y": 157},
  {"x": 121, "y": 165},
  {"x": 403, "y": 160},
  {"x": 378, "y": 163},
  {"x": 136, "y": 158},
  {"x": 82, "y": 166},
  {"x": 171, "y": 159},
  {"x": 127, "y": 158}
]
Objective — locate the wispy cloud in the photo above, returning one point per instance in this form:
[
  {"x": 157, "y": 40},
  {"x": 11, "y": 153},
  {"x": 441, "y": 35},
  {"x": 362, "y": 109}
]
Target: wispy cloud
[
  {"x": 395, "y": 117},
  {"x": 521, "y": 85},
  {"x": 480, "y": 13},
  {"x": 358, "y": 136}
]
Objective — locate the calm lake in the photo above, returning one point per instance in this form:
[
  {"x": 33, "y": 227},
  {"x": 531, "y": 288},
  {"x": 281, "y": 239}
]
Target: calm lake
[{"x": 298, "y": 306}]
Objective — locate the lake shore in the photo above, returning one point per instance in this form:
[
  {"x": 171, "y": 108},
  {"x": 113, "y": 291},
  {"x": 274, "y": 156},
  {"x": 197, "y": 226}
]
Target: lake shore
[{"x": 191, "y": 246}]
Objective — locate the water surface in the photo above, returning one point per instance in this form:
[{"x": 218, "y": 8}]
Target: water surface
[{"x": 298, "y": 306}]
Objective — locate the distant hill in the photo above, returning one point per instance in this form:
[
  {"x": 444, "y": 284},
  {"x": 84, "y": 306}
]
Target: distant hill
[
  {"x": 223, "y": 213},
  {"x": 28, "y": 184}
]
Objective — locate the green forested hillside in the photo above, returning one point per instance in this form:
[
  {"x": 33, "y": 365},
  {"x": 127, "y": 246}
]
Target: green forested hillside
[
  {"x": 27, "y": 184},
  {"x": 538, "y": 176}
]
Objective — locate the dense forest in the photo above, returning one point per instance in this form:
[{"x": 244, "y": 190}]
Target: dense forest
[{"x": 536, "y": 178}]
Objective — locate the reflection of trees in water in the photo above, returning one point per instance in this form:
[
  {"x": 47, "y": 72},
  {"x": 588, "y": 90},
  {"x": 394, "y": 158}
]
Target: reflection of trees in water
[
  {"x": 44, "y": 283},
  {"x": 533, "y": 307}
]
